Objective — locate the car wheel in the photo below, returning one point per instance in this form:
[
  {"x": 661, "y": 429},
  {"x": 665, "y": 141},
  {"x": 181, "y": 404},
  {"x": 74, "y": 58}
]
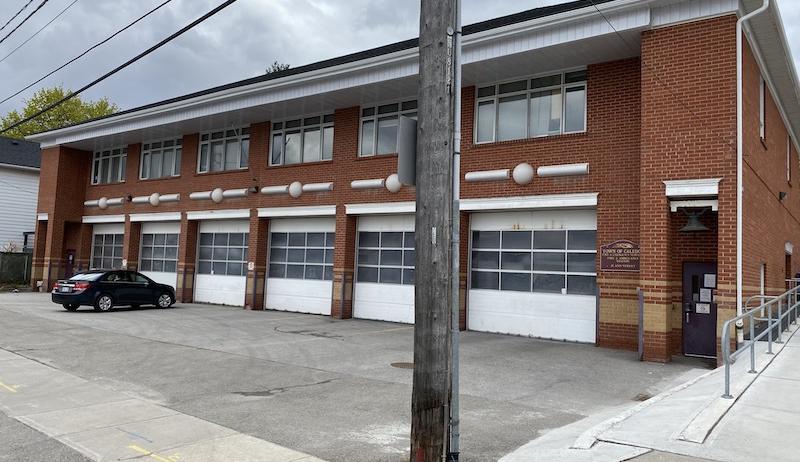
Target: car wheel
[
  {"x": 70, "y": 306},
  {"x": 164, "y": 300},
  {"x": 103, "y": 303}
]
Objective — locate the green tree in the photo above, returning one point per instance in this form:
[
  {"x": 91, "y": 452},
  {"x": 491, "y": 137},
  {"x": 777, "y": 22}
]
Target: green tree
[
  {"x": 70, "y": 112},
  {"x": 276, "y": 67}
]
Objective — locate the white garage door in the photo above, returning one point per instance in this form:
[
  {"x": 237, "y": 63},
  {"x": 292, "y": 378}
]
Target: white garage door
[
  {"x": 158, "y": 254},
  {"x": 384, "y": 287},
  {"x": 301, "y": 265},
  {"x": 222, "y": 262},
  {"x": 533, "y": 274},
  {"x": 107, "y": 242}
]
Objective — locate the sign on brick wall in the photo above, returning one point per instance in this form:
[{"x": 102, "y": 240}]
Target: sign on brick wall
[{"x": 622, "y": 255}]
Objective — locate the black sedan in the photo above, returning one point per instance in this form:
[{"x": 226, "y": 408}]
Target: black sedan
[{"x": 104, "y": 290}]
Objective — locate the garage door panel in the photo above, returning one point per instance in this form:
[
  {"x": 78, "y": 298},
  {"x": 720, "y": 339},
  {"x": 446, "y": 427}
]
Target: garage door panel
[
  {"x": 169, "y": 278},
  {"x": 384, "y": 302},
  {"x": 220, "y": 290},
  {"x": 302, "y": 296}
]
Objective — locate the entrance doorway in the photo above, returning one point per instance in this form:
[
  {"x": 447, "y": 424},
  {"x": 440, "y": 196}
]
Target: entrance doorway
[{"x": 699, "y": 309}]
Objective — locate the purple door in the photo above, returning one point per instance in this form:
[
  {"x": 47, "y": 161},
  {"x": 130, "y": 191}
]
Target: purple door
[{"x": 699, "y": 309}]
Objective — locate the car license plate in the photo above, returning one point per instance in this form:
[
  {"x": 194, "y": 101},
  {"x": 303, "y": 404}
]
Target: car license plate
[{"x": 65, "y": 289}]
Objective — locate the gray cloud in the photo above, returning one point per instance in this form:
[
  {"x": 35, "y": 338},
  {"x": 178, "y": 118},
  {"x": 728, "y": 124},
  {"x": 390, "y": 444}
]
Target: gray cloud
[{"x": 237, "y": 43}]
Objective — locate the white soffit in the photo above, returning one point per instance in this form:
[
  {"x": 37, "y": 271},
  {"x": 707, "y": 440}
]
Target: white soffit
[
  {"x": 383, "y": 208},
  {"x": 218, "y": 214},
  {"x": 303, "y": 211},
  {"x": 552, "y": 201},
  {"x": 707, "y": 187},
  {"x": 162, "y": 216},
  {"x": 94, "y": 219}
]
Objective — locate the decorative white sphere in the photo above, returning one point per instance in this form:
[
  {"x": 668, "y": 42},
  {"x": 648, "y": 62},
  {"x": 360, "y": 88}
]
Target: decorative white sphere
[
  {"x": 393, "y": 183},
  {"x": 155, "y": 199},
  {"x": 103, "y": 203},
  {"x": 296, "y": 189},
  {"x": 523, "y": 173},
  {"x": 216, "y": 195}
]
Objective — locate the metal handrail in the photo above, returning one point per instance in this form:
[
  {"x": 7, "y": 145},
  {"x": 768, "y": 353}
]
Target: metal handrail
[{"x": 787, "y": 304}]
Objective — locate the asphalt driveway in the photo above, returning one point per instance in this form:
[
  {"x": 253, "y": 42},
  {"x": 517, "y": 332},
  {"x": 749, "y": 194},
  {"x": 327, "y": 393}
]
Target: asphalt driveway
[{"x": 322, "y": 386}]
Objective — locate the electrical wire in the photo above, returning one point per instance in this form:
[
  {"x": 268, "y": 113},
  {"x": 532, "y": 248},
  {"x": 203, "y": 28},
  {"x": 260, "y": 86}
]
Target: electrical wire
[
  {"x": 15, "y": 16},
  {"x": 122, "y": 66},
  {"x": 24, "y": 20},
  {"x": 38, "y": 31},
  {"x": 88, "y": 50}
]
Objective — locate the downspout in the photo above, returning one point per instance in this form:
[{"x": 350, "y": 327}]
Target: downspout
[{"x": 740, "y": 155}]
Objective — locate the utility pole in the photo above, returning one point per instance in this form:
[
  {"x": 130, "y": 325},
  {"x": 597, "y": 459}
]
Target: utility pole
[{"x": 434, "y": 288}]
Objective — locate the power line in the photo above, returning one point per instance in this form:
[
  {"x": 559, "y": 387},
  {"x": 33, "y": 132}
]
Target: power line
[
  {"x": 87, "y": 50},
  {"x": 15, "y": 15},
  {"x": 24, "y": 20},
  {"x": 122, "y": 66},
  {"x": 37, "y": 32}
]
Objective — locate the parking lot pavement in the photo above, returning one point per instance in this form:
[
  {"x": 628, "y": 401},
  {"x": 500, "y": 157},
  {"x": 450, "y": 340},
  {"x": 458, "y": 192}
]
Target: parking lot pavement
[{"x": 322, "y": 386}]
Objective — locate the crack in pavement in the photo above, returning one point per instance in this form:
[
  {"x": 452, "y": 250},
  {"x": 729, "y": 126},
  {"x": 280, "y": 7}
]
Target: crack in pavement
[{"x": 279, "y": 390}]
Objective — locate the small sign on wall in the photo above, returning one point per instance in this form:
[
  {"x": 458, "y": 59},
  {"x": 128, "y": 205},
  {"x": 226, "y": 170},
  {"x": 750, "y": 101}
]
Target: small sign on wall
[
  {"x": 622, "y": 255},
  {"x": 251, "y": 266}
]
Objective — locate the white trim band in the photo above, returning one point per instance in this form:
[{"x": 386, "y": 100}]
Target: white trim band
[
  {"x": 318, "y": 187},
  {"x": 279, "y": 189},
  {"x": 148, "y": 217},
  {"x": 303, "y": 211},
  {"x": 94, "y": 219},
  {"x": 368, "y": 184},
  {"x": 385, "y": 208},
  {"x": 552, "y": 201},
  {"x": 218, "y": 214},
  {"x": 692, "y": 188}
]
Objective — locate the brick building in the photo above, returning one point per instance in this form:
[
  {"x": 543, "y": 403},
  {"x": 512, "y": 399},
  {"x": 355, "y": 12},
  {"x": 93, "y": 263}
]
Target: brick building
[{"x": 590, "y": 142}]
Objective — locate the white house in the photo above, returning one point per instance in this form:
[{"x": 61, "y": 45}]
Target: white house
[{"x": 19, "y": 186}]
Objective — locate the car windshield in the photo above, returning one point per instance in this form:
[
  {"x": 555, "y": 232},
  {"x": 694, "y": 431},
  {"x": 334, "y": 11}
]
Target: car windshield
[{"x": 86, "y": 277}]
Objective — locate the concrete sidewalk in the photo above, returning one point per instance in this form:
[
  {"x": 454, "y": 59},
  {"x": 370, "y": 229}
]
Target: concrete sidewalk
[
  {"x": 693, "y": 420},
  {"x": 105, "y": 425}
]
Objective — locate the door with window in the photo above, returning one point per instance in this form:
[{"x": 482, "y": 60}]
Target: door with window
[
  {"x": 385, "y": 258},
  {"x": 300, "y": 276},
  {"x": 534, "y": 274},
  {"x": 699, "y": 309},
  {"x": 222, "y": 253}
]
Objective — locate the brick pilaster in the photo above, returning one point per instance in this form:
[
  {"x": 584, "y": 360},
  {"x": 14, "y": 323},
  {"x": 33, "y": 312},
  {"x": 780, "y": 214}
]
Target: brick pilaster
[
  {"x": 259, "y": 236},
  {"x": 343, "y": 264},
  {"x": 37, "y": 266},
  {"x": 187, "y": 258},
  {"x": 131, "y": 244}
]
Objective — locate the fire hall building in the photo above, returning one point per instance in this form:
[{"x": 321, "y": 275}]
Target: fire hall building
[{"x": 599, "y": 157}]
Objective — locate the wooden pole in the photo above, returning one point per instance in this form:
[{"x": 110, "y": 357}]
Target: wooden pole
[{"x": 432, "y": 293}]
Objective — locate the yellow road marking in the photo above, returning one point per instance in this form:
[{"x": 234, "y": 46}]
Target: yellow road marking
[
  {"x": 155, "y": 456},
  {"x": 11, "y": 389}
]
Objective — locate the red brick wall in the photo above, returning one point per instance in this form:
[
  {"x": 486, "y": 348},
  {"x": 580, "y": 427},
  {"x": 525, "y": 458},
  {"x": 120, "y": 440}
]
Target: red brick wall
[{"x": 769, "y": 223}]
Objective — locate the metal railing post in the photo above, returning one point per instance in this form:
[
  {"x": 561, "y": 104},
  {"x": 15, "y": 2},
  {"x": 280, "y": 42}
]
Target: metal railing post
[
  {"x": 752, "y": 345},
  {"x": 780, "y": 322},
  {"x": 769, "y": 330}
]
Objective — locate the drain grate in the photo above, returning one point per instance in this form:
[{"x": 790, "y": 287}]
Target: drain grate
[{"x": 403, "y": 365}]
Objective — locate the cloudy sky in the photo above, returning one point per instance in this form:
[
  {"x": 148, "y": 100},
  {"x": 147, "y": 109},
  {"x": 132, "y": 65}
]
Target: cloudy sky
[{"x": 237, "y": 43}]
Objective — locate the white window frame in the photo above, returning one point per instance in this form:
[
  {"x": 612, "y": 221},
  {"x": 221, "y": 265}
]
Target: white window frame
[
  {"x": 279, "y": 129},
  {"x": 245, "y": 248},
  {"x": 411, "y": 112},
  {"x": 105, "y": 247},
  {"x": 403, "y": 267},
  {"x": 108, "y": 155},
  {"x": 566, "y": 251},
  {"x": 241, "y": 134},
  {"x": 327, "y": 266},
  {"x": 495, "y": 98},
  {"x": 148, "y": 150},
  {"x": 762, "y": 109}
]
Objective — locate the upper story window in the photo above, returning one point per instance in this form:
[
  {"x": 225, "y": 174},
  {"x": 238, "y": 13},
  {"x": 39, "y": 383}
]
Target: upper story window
[
  {"x": 109, "y": 166},
  {"x": 302, "y": 140},
  {"x": 542, "y": 106},
  {"x": 379, "y": 127},
  {"x": 224, "y": 150},
  {"x": 161, "y": 159}
]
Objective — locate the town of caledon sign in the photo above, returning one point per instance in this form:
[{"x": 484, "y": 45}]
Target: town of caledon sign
[{"x": 620, "y": 255}]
